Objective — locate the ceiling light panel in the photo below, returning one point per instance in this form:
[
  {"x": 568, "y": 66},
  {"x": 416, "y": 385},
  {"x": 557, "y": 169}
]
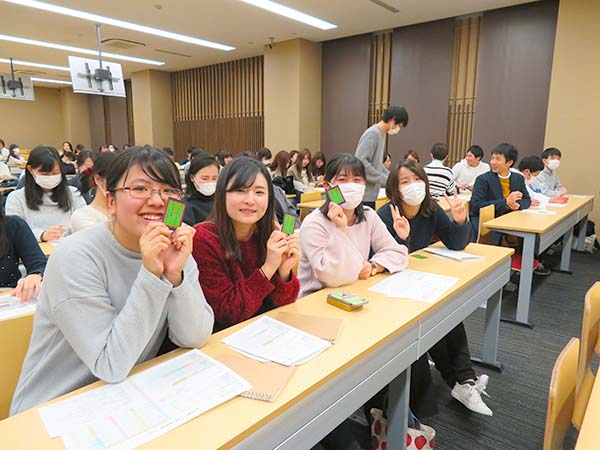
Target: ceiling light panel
[
  {"x": 17, "y": 62},
  {"x": 85, "y": 51},
  {"x": 96, "y": 18},
  {"x": 290, "y": 13}
]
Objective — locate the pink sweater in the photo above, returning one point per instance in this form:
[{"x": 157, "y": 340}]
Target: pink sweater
[{"x": 332, "y": 256}]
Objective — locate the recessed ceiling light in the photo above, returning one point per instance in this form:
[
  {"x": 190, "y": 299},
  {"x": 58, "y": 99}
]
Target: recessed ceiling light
[
  {"x": 33, "y": 64},
  {"x": 291, "y": 13},
  {"x": 119, "y": 23},
  {"x": 48, "y": 80},
  {"x": 68, "y": 48}
]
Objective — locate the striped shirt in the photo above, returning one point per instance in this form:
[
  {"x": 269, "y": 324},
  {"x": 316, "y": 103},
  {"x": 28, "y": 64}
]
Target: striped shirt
[{"x": 441, "y": 178}]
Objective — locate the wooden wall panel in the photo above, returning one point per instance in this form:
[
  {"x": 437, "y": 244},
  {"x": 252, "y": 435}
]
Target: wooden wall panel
[{"x": 219, "y": 107}]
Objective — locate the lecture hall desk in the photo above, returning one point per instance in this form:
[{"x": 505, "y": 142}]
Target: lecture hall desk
[
  {"x": 539, "y": 232},
  {"x": 589, "y": 435},
  {"x": 376, "y": 347}
]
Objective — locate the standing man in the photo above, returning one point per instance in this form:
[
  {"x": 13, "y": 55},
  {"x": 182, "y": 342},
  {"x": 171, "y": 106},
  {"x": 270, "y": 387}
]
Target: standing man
[{"x": 370, "y": 149}]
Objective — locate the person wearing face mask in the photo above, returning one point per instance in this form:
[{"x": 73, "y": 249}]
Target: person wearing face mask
[
  {"x": 201, "y": 183},
  {"x": 47, "y": 201},
  {"x": 336, "y": 239},
  {"x": 547, "y": 181},
  {"x": 371, "y": 147},
  {"x": 93, "y": 178},
  {"x": 531, "y": 167},
  {"x": 245, "y": 262},
  {"x": 414, "y": 218}
]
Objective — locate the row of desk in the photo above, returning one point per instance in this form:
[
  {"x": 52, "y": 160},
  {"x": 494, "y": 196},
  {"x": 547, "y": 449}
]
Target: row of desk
[{"x": 376, "y": 348}]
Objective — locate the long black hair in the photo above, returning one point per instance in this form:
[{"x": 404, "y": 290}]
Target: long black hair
[
  {"x": 153, "y": 161},
  {"x": 238, "y": 174},
  {"x": 100, "y": 168},
  {"x": 44, "y": 159},
  {"x": 197, "y": 164},
  {"x": 392, "y": 188},
  {"x": 3, "y": 232},
  {"x": 353, "y": 167}
]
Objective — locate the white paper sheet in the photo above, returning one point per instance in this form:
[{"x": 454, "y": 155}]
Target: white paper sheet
[
  {"x": 270, "y": 339},
  {"x": 576, "y": 196},
  {"x": 11, "y": 307},
  {"x": 541, "y": 212},
  {"x": 144, "y": 406},
  {"x": 557, "y": 205},
  {"x": 452, "y": 254},
  {"x": 415, "y": 285}
]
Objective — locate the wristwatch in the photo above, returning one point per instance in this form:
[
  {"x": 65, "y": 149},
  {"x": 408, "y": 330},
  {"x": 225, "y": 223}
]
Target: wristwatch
[{"x": 373, "y": 268}]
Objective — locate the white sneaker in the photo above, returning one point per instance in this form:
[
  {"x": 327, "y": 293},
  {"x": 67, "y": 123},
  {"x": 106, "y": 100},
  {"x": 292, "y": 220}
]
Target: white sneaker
[
  {"x": 469, "y": 394},
  {"x": 481, "y": 383}
]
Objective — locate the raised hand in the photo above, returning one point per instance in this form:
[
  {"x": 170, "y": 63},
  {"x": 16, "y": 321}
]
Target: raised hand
[
  {"x": 277, "y": 245},
  {"x": 290, "y": 257},
  {"x": 457, "y": 208},
  {"x": 153, "y": 243},
  {"x": 401, "y": 224},
  {"x": 337, "y": 216},
  {"x": 176, "y": 254}
]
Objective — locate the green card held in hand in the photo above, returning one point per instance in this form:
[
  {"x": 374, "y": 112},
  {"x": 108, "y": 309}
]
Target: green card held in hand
[
  {"x": 335, "y": 195},
  {"x": 174, "y": 213},
  {"x": 289, "y": 223}
]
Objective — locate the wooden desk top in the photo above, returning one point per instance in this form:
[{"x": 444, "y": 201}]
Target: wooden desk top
[
  {"x": 589, "y": 433},
  {"x": 537, "y": 223},
  {"x": 47, "y": 248},
  {"x": 363, "y": 331}
]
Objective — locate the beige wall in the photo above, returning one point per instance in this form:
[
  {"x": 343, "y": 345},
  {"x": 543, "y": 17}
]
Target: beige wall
[
  {"x": 152, "y": 108},
  {"x": 31, "y": 123},
  {"x": 292, "y": 95},
  {"x": 572, "y": 121},
  {"x": 76, "y": 118}
]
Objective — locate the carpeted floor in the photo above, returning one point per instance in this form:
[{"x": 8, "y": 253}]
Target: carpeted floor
[{"x": 519, "y": 394}]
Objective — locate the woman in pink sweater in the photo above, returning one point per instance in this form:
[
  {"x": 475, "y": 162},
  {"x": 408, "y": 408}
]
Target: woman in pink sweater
[{"x": 336, "y": 239}]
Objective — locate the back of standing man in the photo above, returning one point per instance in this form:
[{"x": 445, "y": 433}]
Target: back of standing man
[{"x": 371, "y": 147}]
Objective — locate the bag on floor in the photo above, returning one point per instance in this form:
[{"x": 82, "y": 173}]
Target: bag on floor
[{"x": 422, "y": 439}]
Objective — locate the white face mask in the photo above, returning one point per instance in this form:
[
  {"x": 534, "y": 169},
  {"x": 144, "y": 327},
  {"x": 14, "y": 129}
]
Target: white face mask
[
  {"x": 48, "y": 181},
  {"x": 353, "y": 194},
  {"x": 393, "y": 131},
  {"x": 413, "y": 194},
  {"x": 553, "y": 164},
  {"x": 207, "y": 189}
]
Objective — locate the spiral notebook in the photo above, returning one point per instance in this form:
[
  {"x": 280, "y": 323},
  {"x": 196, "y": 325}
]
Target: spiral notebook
[
  {"x": 267, "y": 379},
  {"x": 326, "y": 328}
]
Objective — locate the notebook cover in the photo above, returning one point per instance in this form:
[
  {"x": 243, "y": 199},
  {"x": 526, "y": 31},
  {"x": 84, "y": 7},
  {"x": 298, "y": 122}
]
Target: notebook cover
[
  {"x": 323, "y": 327},
  {"x": 267, "y": 379}
]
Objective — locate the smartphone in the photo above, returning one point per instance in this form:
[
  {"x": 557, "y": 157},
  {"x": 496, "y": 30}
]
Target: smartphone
[
  {"x": 346, "y": 300},
  {"x": 174, "y": 213}
]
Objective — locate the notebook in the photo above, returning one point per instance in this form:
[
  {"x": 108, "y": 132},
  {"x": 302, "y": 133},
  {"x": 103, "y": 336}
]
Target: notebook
[
  {"x": 267, "y": 379},
  {"x": 323, "y": 327}
]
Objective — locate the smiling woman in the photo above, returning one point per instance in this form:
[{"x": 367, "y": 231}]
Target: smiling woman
[
  {"x": 135, "y": 282},
  {"x": 245, "y": 263}
]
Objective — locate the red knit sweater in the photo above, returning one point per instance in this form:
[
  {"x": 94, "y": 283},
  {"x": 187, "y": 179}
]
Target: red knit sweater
[{"x": 237, "y": 290}]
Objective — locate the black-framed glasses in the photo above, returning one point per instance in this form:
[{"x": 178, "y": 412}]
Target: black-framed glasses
[{"x": 142, "y": 192}]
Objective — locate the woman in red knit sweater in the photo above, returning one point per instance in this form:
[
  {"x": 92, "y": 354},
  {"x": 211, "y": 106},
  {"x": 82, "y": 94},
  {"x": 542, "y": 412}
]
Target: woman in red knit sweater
[{"x": 245, "y": 262}]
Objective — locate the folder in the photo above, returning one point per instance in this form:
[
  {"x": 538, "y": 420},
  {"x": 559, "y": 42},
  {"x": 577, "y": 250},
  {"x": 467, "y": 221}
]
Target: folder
[
  {"x": 323, "y": 327},
  {"x": 267, "y": 379}
]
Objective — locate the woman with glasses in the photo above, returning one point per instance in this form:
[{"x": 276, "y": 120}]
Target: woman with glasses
[
  {"x": 135, "y": 282},
  {"x": 245, "y": 263},
  {"x": 47, "y": 201}
]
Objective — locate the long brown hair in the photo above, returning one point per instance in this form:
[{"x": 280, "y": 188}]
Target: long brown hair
[
  {"x": 392, "y": 190},
  {"x": 305, "y": 152},
  {"x": 280, "y": 163},
  {"x": 238, "y": 174}
]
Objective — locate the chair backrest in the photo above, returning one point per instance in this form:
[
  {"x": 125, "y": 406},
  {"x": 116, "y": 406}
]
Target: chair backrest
[
  {"x": 589, "y": 345},
  {"x": 310, "y": 196},
  {"x": 561, "y": 396},
  {"x": 15, "y": 334},
  {"x": 484, "y": 234}
]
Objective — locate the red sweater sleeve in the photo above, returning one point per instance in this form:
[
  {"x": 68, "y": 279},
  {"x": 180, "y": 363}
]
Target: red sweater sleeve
[
  {"x": 233, "y": 296},
  {"x": 285, "y": 291}
]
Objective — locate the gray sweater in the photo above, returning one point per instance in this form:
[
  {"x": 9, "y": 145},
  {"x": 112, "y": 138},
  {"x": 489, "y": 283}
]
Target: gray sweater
[
  {"x": 370, "y": 151},
  {"x": 100, "y": 312}
]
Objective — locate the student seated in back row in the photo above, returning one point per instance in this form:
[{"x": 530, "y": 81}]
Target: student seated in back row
[
  {"x": 135, "y": 282},
  {"x": 245, "y": 263},
  {"x": 441, "y": 178},
  {"x": 501, "y": 187},
  {"x": 414, "y": 218},
  {"x": 531, "y": 167},
  {"x": 468, "y": 169},
  {"x": 200, "y": 185},
  {"x": 547, "y": 181}
]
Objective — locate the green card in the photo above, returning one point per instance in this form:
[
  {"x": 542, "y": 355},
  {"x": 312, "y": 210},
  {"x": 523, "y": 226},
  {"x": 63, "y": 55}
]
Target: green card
[
  {"x": 417, "y": 256},
  {"x": 174, "y": 213},
  {"x": 289, "y": 222},
  {"x": 335, "y": 195}
]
